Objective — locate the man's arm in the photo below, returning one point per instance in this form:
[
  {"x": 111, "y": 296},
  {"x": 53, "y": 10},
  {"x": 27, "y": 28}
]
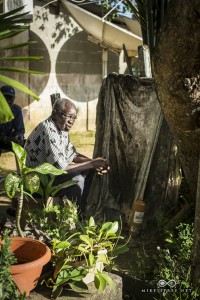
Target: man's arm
[
  {"x": 8, "y": 139},
  {"x": 82, "y": 163},
  {"x": 18, "y": 122},
  {"x": 80, "y": 158}
]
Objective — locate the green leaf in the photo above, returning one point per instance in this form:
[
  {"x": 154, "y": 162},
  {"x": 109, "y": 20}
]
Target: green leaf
[
  {"x": 110, "y": 227},
  {"x": 107, "y": 279},
  {"x": 169, "y": 241},
  {"x": 47, "y": 168},
  {"x": 102, "y": 258},
  {"x": 91, "y": 259},
  {"x": 112, "y": 235},
  {"x": 32, "y": 182},
  {"x": 20, "y": 154},
  {"x": 120, "y": 250},
  {"x": 21, "y": 58},
  {"x": 12, "y": 69},
  {"x": 16, "y": 84},
  {"x": 78, "y": 286},
  {"x": 59, "y": 265},
  {"x": 40, "y": 192},
  {"x": 5, "y": 111},
  {"x": 87, "y": 240},
  {"x": 29, "y": 195},
  {"x": 17, "y": 45},
  {"x": 91, "y": 222},
  {"x": 12, "y": 183},
  {"x": 82, "y": 249},
  {"x": 99, "y": 282},
  {"x": 44, "y": 179},
  {"x": 67, "y": 274},
  {"x": 78, "y": 274},
  {"x": 13, "y": 14},
  {"x": 55, "y": 189},
  {"x": 63, "y": 245},
  {"x": 63, "y": 277}
]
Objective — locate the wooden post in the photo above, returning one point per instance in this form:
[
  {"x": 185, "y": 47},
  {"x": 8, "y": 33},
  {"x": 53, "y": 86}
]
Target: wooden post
[
  {"x": 54, "y": 97},
  {"x": 144, "y": 61}
]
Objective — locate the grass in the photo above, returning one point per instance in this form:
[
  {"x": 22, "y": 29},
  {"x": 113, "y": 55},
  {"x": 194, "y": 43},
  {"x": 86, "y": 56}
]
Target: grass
[{"x": 83, "y": 142}]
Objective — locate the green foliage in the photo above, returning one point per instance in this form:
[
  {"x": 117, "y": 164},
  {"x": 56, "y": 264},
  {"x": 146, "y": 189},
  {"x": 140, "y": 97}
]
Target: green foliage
[
  {"x": 47, "y": 187},
  {"x": 85, "y": 251},
  {"x": 52, "y": 222},
  {"x": 27, "y": 177},
  {"x": 172, "y": 265},
  {"x": 27, "y": 181},
  {"x": 12, "y": 24},
  {"x": 8, "y": 288},
  {"x": 5, "y": 111}
]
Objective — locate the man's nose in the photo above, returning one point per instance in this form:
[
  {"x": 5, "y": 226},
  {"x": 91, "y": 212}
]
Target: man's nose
[{"x": 71, "y": 120}]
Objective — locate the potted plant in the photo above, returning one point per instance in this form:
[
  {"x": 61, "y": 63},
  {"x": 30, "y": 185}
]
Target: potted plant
[
  {"x": 81, "y": 251},
  {"x": 84, "y": 255},
  {"x": 31, "y": 254},
  {"x": 8, "y": 288},
  {"x": 27, "y": 181}
]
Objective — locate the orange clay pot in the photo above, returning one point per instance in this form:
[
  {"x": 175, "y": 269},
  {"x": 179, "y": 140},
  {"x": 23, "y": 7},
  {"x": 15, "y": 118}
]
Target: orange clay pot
[{"x": 32, "y": 256}]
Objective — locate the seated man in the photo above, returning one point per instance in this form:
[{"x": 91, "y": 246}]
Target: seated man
[
  {"x": 12, "y": 131},
  {"x": 49, "y": 142}
]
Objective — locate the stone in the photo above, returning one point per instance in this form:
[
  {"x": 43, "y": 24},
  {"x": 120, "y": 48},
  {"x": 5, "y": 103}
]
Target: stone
[{"x": 43, "y": 293}]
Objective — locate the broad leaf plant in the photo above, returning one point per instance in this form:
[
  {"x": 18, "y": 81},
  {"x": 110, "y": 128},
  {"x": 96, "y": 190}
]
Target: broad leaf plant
[
  {"x": 11, "y": 24},
  {"x": 90, "y": 249},
  {"x": 27, "y": 181}
]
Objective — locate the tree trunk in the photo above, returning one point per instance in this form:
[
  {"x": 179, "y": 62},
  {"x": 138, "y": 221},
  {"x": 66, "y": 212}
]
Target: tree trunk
[{"x": 176, "y": 68}]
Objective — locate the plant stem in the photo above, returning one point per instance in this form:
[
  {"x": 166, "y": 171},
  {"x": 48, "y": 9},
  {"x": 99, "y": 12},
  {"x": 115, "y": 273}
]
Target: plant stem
[{"x": 19, "y": 211}]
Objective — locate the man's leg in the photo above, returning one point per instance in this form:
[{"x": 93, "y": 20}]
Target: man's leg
[
  {"x": 73, "y": 192},
  {"x": 79, "y": 191},
  {"x": 88, "y": 181}
]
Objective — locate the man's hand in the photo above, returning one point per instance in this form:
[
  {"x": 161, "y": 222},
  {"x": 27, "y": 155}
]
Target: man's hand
[
  {"x": 101, "y": 165},
  {"x": 19, "y": 140}
]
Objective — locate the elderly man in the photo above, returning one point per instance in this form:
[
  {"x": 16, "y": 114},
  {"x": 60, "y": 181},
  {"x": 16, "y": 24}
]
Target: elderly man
[
  {"x": 49, "y": 142},
  {"x": 12, "y": 131}
]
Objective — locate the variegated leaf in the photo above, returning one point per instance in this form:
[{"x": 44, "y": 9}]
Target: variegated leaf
[
  {"x": 32, "y": 182},
  {"x": 12, "y": 183},
  {"x": 47, "y": 168}
]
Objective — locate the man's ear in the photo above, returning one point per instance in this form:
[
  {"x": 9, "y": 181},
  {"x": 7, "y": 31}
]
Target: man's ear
[{"x": 53, "y": 114}]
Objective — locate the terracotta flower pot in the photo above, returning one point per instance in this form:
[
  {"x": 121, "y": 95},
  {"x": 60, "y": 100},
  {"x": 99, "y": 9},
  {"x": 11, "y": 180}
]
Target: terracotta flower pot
[{"x": 32, "y": 255}]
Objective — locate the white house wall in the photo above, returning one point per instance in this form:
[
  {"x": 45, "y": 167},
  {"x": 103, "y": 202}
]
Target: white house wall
[{"x": 72, "y": 66}]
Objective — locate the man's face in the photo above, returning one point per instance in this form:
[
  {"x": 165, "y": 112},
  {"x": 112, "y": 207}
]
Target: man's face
[
  {"x": 10, "y": 99},
  {"x": 65, "y": 119}
]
